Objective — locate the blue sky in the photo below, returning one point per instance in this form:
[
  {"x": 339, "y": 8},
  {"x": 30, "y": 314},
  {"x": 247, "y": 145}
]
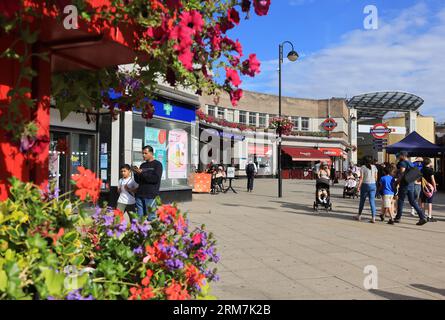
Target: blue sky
[{"x": 339, "y": 58}]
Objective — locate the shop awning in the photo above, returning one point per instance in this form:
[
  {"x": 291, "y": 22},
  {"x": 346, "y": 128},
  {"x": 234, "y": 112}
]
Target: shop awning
[
  {"x": 332, "y": 152},
  {"x": 305, "y": 154},
  {"x": 260, "y": 150}
]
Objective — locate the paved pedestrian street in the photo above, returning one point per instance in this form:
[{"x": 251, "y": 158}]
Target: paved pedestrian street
[{"x": 275, "y": 248}]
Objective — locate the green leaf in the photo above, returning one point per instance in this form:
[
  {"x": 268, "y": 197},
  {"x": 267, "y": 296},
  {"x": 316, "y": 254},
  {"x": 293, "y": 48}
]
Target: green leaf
[
  {"x": 70, "y": 236},
  {"x": 54, "y": 282},
  {"x": 3, "y": 280},
  {"x": 77, "y": 260},
  {"x": 37, "y": 242}
]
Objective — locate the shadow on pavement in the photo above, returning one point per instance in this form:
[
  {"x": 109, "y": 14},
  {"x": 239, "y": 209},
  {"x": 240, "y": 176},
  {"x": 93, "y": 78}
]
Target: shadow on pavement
[
  {"x": 245, "y": 206},
  {"x": 308, "y": 210},
  {"x": 430, "y": 289},
  {"x": 393, "y": 296}
]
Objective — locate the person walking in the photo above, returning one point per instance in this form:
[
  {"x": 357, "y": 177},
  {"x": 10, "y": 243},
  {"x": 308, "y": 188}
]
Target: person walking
[
  {"x": 387, "y": 183},
  {"x": 251, "y": 171},
  {"x": 126, "y": 188},
  {"x": 367, "y": 187},
  {"x": 148, "y": 176},
  {"x": 417, "y": 185},
  {"x": 429, "y": 188},
  {"x": 407, "y": 176}
]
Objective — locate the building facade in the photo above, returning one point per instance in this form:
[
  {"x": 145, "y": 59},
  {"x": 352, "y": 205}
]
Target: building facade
[{"x": 309, "y": 141}]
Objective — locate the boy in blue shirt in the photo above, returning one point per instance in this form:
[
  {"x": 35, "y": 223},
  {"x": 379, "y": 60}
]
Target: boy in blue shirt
[{"x": 387, "y": 191}]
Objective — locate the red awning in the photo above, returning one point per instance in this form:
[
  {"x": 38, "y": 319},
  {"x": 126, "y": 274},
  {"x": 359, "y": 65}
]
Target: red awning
[
  {"x": 332, "y": 152},
  {"x": 305, "y": 154},
  {"x": 259, "y": 150}
]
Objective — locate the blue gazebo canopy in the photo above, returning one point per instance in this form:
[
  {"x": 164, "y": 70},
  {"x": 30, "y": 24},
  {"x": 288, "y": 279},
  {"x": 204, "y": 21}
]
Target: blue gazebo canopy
[{"x": 416, "y": 145}]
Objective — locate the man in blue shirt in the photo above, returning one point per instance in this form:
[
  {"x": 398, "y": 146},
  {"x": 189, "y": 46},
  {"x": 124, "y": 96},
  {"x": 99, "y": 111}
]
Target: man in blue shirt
[{"x": 407, "y": 190}]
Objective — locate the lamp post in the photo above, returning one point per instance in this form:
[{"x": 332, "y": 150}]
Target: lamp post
[{"x": 292, "y": 56}]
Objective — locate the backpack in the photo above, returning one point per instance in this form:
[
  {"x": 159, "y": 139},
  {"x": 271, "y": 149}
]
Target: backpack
[
  {"x": 411, "y": 175},
  {"x": 250, "y": 169}
]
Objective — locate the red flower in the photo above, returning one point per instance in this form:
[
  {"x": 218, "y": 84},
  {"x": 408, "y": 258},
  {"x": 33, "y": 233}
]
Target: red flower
[
  {"x": 8, "y": 8},
  {"x": 120, "y": 214},
  {"x": 232, "y": 45},
  {"x": 87, "y": 184},
  {"x": 232, "y": 77},
  {"x": 261, "y": 7},
  {"x": 194, "y": 276},
  {"x": 251, "y": 66},
  {"x": 56, "y": 237},
  {"x": 167, "y": 213},
  {"x": 233, "y": 16},
  {"x": 245, "y": 5},
  {"x": 197, "y": 239},
  {"x": 175, "y": 292},
  {"x": 193, "y": 20},
  {"x": 235, "y": 96}
]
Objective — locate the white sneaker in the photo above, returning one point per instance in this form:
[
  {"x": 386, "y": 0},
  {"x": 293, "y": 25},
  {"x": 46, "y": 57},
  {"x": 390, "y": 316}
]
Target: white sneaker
[{"x": 413, "y": 212}]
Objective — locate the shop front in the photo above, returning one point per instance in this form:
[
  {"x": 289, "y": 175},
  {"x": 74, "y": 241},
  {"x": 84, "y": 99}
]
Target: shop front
[
  {"x": 73, "y": 143},
  {"x": 298, "y": 163},
  {"x": 172, "y": 134}
]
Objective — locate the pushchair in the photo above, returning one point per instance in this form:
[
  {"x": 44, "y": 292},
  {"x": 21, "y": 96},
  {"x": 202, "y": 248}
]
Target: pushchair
[
  {"x": 350, "y": 189},
  {"x": 322, "y": 195}
]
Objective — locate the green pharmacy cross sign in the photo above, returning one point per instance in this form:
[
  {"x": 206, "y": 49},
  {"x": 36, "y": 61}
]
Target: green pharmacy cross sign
[{"x": 168, "y": 108}]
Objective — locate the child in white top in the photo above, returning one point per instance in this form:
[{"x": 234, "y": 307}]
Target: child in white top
[{"x": 126, "y": 188}]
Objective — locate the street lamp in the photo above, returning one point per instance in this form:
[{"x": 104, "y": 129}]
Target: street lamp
[{"x": 292, "y": 56}]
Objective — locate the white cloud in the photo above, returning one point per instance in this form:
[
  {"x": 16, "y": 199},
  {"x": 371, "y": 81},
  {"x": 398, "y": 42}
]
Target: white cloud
[{"x": 405, "y": 54}]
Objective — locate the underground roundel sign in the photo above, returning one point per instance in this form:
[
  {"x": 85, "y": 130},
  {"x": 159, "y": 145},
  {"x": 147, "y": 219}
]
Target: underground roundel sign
[
  {"x": 329, "y": 124},
  {"x": 380, "y": 131}
]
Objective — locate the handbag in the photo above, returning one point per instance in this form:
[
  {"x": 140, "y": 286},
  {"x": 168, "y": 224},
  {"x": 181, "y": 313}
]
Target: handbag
[{"x": 427, "y": 188}]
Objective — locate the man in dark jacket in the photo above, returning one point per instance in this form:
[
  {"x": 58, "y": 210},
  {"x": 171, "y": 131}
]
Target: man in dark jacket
[{"x": 148, "y": 176}]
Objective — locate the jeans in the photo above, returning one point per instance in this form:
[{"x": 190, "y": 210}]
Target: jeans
[
  {"x": 367, "y": 190},
  {"x": 417, "y": 191},
  {"x": 144, "y": 206},
  {"x": 410, "y": 191},
  {"x": 250, "y": 182}
]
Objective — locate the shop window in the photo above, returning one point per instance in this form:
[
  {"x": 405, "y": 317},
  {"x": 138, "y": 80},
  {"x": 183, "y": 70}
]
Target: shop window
[
  {"x": 172, "y": 147},
  {"x": 243, "y": 117},
  {"x": 296, "y": 123},
  {"x": 221, "y": 113},
  {"x": 304, "y": 124},
  {"x": 211, "y": 111},
  {"x": 252, "y": 118},
  {"x": 262, "y": 120}
]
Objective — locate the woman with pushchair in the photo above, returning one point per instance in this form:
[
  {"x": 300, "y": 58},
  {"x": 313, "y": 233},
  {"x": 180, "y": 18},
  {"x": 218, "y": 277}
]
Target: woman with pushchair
[{"x": 322, "y": 188}]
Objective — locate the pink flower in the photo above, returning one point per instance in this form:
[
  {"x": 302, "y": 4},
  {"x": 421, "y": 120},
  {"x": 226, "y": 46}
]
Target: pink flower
[
  {"x": 261, "y": 7},
  {"x": 235, "y": 96},
  {"x": 232, "y": 45},
  {"x": 251, "y": 66},
  {"x": 232, "y": 77},
  {"x": 192, "y": 19},
  {"x": 233, "y": 16},
  {"x": 197, "y": 239}
]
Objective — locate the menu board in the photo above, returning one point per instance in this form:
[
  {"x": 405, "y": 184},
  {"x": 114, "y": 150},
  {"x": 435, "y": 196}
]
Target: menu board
[
  {"x": 156, "y": 138},
  {"x": 177, "y": 154}
]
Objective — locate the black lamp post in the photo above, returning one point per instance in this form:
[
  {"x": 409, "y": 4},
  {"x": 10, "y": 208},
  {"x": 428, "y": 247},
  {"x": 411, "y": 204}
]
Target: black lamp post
[{"x": 292, "y": 56}]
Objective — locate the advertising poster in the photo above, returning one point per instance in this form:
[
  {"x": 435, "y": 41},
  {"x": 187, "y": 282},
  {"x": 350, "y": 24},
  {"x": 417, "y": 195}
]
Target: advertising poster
[
  {"x": 177, "y": 154},
  {"x": 54, "y": 167},
  {"x": 157, "y": 138}
]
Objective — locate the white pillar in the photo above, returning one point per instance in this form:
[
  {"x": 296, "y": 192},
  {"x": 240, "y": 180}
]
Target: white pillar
[
  {"x": 128, "y": 137},
  {"x": 411, "y": 121},
  {"x": 353, "y": 133},
  {"x": 115, "y": 152}
]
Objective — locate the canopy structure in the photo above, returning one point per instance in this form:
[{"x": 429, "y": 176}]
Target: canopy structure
[
  {"x": 416, "y": 145},
  {"x": 305, "y": 154},
  {"x": 377, "y": 104}
]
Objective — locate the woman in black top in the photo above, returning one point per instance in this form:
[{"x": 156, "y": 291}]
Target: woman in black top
[{"x": 428, "y": 175}]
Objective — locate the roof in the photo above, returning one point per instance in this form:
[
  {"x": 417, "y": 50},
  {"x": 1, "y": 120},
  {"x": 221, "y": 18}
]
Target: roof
[
  {"x": 378, "y": 104},
  {"x": 305, "y": 154},
  {"x": 415, "y": 145}
]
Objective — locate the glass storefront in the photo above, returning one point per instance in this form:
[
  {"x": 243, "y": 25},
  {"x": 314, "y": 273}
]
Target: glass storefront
[
  {"x": 171, "y": 142},
  {"x": 262, "y": 156}
]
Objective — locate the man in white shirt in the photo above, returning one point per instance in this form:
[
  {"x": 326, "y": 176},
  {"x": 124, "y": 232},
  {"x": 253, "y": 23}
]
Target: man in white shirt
[{"x": 126, "y": 188}]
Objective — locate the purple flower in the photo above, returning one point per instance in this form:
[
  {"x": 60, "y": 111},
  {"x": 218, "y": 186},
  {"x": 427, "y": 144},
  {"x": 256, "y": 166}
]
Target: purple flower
[
  {"x": 108, "y": 220},
  {"x": 174, "y": 264},
  {"x": 138, "y": 250},
  {"x": 76, "y": 295}
]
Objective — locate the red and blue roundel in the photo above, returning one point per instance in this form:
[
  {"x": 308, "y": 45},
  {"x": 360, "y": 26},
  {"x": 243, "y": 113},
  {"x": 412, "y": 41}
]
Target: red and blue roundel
[{"x": 329, "y": 124}]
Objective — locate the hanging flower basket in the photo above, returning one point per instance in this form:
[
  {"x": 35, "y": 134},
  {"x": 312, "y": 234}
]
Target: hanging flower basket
[{"x": 283, "y": 125}]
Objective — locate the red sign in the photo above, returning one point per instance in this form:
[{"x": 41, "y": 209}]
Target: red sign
[
  {"x": 380, "y": 131},
  {"x": 329, "y": 124}
]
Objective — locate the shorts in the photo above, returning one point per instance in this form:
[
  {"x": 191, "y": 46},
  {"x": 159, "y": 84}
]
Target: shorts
[
  {"x": 387, "y": 201},
  {"x": 425, "y": 199}
]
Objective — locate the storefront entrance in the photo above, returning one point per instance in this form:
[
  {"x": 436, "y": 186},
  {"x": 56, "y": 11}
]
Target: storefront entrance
[{"x": 69, "y": 150}]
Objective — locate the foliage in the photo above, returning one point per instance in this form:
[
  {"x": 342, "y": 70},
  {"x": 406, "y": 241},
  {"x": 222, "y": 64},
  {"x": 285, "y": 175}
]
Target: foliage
[
  {"x": 52, "y": 247},
  {"x": 181, "y": 42}
]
